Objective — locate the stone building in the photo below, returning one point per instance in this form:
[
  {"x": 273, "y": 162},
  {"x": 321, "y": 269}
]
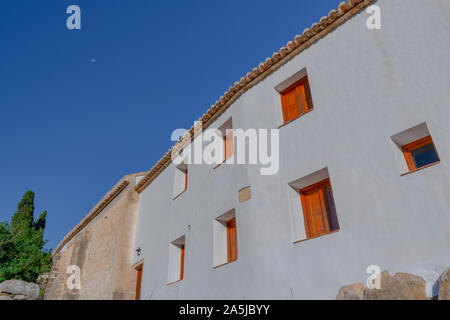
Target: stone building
[
  {"x": 101, "y": 246},
  {"x": 363, "y": 178}
]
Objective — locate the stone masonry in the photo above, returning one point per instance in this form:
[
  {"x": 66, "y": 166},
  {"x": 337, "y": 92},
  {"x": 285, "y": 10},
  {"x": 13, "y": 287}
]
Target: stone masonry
[{"x": 101, "y": 246}]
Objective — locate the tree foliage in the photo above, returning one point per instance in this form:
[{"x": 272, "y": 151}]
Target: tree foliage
[{"x": 22, "y": 254}]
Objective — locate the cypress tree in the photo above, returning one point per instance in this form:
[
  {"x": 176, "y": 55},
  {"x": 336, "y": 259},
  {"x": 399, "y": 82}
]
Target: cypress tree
[{"x": 22, "y": 256}]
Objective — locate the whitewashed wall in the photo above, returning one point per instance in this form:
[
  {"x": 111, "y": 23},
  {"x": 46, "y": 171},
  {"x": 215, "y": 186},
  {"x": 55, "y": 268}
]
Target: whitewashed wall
[{"x": 367, "y": 86}]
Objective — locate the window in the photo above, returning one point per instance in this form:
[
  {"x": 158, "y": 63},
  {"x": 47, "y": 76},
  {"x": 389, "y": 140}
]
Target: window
[
  {"x": 296, "y": 100},
  {"x": 420, "y": 153},
  {"x": 318, "y": 209},
  {"x": 225, "y": 239},
  {"x": 414, "y": 149},
  {"x": 180, "y": 180},
  {"x": 232, "y": 240},
  {"x": 139, "y": 270},
  {"x": 177, "y": 250},
  {"x": 226, "y": 133}
]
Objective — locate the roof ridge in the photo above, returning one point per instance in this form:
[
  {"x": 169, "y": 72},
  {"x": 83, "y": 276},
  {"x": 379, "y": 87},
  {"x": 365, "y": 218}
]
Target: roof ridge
[{"x": 346, "y": 10}]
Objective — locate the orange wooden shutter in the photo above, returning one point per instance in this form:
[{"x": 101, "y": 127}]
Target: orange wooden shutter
[
  {"x": 315, "y": 207},
  {"x": 291, "y": 105},
  {"x": 232, "y": 240},
  {"x": 229, "y": 145},
  {"x": 185, "y": 187},
  {"x": 182, "y": 263},
  {"x": 313, "y": 199},
  {"x": 138, "y": 284},
  {"x": 296, "y": 100}
]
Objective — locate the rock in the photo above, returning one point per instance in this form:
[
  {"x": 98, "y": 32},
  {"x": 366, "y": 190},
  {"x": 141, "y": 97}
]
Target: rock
[
  {"x": 5, "y": 298},
  {"x": 444, "y": 286},
  {"x": 351, "y": 292},
  {"x": 20, "y": 297},
  {"x": 401, "y": 286},
  {"x": 19, "y": 287}
]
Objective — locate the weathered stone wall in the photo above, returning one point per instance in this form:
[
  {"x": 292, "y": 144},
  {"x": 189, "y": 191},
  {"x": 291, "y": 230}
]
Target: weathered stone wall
[{"x": 101, "y": 246}]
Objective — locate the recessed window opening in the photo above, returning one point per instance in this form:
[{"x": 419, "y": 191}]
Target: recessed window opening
[
  {"x": 180, "y": 179},
  {"x": 226, "y": 133},
  {"x": 177, "y": 250},
  {"x": 415, "y": 149},
  {"x": 225, "y": 239},
  {"x": 296, "y": 98}
]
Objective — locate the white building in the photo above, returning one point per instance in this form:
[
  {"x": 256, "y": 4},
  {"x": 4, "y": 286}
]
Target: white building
[{"x": 372, "y": 95}]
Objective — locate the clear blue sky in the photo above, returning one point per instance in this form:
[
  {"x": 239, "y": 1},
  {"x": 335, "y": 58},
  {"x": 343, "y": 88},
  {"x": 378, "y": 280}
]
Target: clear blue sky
[{"x": 71, "y": 127}]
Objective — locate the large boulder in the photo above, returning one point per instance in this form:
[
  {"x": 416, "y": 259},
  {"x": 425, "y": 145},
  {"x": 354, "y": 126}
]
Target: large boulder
[
  {"x": 444, "y": 286},
  {"x": 401, "y": 286},
  {"x": 351, "y": 292},
  {"x": 19, "y": 287}
]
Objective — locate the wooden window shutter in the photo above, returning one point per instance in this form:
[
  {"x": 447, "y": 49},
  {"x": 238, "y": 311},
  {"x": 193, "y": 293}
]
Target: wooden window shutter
[
  {"x": 232, "y": 240},
  {"x": 138, "y": 283},
  {"x": 182, "y": 263},
  {"x": 296, "y": 100},
  {"x": 291, "y": 105},
  {"x": 317, "y": 223},
  {"x": 319, "y": 209}
]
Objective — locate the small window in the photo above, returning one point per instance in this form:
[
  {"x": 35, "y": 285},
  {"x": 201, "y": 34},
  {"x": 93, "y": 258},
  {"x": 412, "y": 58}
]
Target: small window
[
  {"x": 232, "y": 240},
  {"x": 180, "y": 180},
  {"x": 296, "y": 100},
  {"x": 226, "y": 133},
  {"x": 225, "y": 239},
  {"x": 318, "y": 209},
  {"x": 176, "y": 260},
  {"x": 420, "y": 153},
  {"x": 414, "y": 149}
]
